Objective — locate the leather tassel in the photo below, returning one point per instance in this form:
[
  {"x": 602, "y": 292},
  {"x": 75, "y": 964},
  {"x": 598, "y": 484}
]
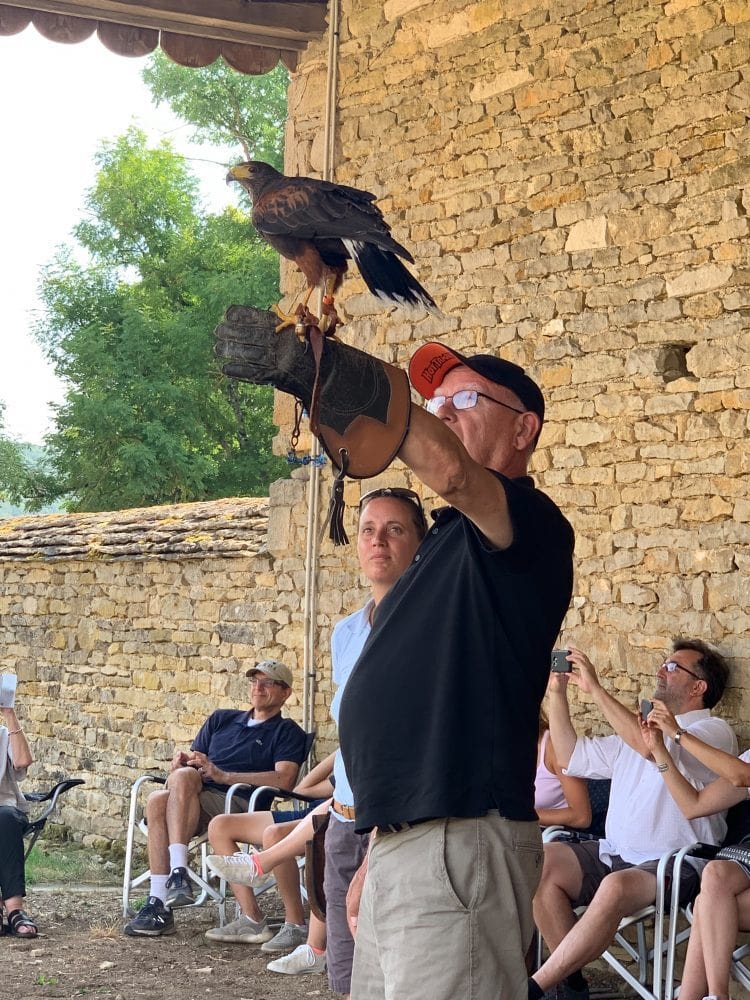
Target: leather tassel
[{"x": 335, "y": 519}]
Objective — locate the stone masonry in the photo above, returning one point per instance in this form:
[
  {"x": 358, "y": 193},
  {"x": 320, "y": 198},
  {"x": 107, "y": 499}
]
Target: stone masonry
[
  {"x": 127, "y": 629},
  {"x": 573, "y": 179}
]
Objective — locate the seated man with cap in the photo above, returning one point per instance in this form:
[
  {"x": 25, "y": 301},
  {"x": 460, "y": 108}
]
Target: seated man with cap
[{"x": 258, "y": 747}]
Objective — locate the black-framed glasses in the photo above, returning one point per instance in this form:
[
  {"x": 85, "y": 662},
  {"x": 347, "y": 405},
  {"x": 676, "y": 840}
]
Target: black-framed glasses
[
  {"x": 263, "y": 684},
  {"x": 671, "y": 665},
  {"x": 401, "y": 493},
  {"x": 465, "y": 399}
]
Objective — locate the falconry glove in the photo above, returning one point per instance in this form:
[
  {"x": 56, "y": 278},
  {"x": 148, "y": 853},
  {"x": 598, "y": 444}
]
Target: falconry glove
[{"x": 359, "y": 406}]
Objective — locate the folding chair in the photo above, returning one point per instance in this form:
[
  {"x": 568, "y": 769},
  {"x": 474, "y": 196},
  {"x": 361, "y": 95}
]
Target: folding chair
[
  {"x": 642, "y": 966},
  {"x": 35, "y": 826},
  {"x": 199, "y": 845},
  {"x": 738, "y": 829}
]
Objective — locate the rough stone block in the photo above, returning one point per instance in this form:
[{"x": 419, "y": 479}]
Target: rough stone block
[
  {"x": 700, "y": 279},
  {"x": 588, "y": 234}
]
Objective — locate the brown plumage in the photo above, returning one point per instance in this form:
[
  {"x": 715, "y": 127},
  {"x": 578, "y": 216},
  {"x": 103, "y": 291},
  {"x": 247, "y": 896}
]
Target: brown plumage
[{"x": 321, "y": 226}]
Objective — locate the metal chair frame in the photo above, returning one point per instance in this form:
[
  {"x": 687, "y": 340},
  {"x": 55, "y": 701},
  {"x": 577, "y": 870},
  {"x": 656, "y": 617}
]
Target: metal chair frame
[
  {"x": 35, "y": 826},
  {"x": 203, "y": 878},
  {"x": 647, "y": 969}
]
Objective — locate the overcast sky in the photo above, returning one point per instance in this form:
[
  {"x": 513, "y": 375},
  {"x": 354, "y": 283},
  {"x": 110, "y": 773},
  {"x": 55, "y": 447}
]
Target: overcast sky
[{"x": 58, "y": 103}]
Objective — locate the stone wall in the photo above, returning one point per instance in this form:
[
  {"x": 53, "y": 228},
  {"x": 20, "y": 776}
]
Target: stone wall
[
  {"x": 573, "y": 179},
  {"x": 127, "y": 629}
]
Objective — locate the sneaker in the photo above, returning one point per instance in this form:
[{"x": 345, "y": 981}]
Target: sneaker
[
  {"x": 303, "y": 959},
  {"x": 243, "y": 930},
  {"x": 152, "y": 920},
  {"x": 179, "y": 889},
  {"x": 239, "y": 868},
  {"x": 288, "y": 937}
]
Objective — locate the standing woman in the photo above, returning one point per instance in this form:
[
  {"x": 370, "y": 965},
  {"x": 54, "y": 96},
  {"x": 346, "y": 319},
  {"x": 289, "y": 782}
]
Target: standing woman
[{"x": 15, "y": 757}]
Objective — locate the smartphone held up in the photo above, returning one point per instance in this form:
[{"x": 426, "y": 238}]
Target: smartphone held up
[{"x": 560, "y": 664}]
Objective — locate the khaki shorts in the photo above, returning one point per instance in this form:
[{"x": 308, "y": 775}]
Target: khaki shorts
[
  {"x": 212, "y": 804},
  {"x": 446, "y": 911}
]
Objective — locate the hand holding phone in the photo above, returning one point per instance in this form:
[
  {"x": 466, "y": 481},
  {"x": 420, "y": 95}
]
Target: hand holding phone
[
  {"x": 560, "y": 664},
  {"x": 646, "y": 707}
]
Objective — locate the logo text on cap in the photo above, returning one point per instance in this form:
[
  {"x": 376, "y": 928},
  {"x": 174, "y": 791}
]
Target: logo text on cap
[{"x": 430, "y": 370}]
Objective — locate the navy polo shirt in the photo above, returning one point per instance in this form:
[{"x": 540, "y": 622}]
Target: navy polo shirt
[
  {"x": 229, "y": 743},
  {"x": 440, "y": 714}
]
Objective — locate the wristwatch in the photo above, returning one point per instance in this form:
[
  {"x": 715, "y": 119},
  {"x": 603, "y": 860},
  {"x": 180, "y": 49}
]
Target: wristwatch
[{"x": 678, "y": 735}]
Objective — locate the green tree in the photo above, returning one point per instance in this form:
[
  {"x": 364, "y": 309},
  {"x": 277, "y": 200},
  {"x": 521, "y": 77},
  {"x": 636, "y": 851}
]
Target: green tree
[
  {"x": 224, "y": 107},
  {"x": 148, "y": 418},
  {"x": 12, "y": 464},
  {"x": 23, "y": 479}
]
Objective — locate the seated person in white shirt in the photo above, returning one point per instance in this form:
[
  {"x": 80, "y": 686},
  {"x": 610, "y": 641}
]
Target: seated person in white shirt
[{"x": 616, "y": 876}]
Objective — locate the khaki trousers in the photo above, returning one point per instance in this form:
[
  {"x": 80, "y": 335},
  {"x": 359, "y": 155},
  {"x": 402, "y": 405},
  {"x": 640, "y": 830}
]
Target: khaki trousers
[{"x": 446, "y": 911}]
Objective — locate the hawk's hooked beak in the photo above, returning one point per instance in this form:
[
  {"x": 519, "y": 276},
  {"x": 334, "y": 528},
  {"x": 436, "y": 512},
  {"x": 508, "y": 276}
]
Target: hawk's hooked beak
[{"x": 239, "y": 172}]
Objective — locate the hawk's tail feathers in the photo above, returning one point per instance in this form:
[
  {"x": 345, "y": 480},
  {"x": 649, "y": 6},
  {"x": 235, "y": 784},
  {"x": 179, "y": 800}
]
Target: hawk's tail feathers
[{"x": 388, "y": 279}]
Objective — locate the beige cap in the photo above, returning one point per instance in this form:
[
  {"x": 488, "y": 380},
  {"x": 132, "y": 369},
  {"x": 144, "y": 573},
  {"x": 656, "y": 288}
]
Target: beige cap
[{"x": 274, "y": 669}]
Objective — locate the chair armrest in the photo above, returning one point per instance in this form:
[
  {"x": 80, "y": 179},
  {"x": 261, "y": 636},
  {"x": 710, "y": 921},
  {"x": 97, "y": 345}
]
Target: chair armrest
[
  {"x": 566, "y": 833},
  {"x": 51, "y": 798},
  {"x": 263, "y": 795},
  {"x": 54, "y": 793},
  {"x": 706, "y": 851}
]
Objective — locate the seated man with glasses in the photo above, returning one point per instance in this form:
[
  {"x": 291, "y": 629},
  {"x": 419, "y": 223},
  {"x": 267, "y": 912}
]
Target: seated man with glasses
[
  {"x": 258, "y": 747},
  {"x": 616, "y": 876}
]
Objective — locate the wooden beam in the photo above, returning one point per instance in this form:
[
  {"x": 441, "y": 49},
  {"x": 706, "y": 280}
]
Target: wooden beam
[{"x": 281, "y": 25}]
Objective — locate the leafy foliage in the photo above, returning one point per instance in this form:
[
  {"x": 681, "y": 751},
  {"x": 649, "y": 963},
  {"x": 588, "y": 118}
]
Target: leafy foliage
[
  {"x": 23, "y": 476},
  {"x": 148, "y": 418},
  {"x": 225, "y": 107}
]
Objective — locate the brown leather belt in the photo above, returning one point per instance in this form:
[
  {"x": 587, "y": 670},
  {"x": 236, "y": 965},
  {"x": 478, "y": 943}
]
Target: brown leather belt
[{"x": 348, "y": 812}]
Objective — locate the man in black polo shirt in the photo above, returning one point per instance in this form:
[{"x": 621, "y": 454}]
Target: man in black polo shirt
[
  {"x": 439, "y": 720},
  {"x": 258, "y": 747},
  {"x": 462, "y": 642}
]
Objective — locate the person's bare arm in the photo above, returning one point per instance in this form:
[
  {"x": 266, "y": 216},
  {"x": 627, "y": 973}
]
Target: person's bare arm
[
  {"x": 317, "y": 782},
  {"x": 726, "y": 765},
  {"x": 577, "y": 813},
  {"x": 561, "y": 732},
  {"x": 624, "y": 722},
  {"x": 20, "y": 750},
  {"x": 692, "y": 802},
  {"x": 438, "y": 458},
  {"x": 354, "y": 892}
]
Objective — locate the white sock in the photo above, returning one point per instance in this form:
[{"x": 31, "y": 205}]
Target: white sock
[
  {"x": 159, "y": 886},
  {"x": 178, "y": 856}
]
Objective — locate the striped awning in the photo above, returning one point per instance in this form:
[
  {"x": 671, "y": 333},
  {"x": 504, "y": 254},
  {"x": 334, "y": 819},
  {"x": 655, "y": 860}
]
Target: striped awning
[{"x": 251, "y": 35}]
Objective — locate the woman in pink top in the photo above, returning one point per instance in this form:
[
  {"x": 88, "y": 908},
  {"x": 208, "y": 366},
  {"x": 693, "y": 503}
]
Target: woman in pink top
[{"x": 559, "y": 800}]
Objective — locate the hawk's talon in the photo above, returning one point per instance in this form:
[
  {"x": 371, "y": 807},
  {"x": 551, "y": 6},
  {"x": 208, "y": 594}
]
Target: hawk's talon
[{"x": 287, "y": 319}]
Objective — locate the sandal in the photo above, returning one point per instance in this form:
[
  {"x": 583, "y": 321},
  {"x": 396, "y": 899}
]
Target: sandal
[{"x": 20, "y": 924}]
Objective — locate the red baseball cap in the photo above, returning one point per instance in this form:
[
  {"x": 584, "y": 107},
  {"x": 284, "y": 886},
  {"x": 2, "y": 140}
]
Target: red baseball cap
[{"x": 432, "y": 362}]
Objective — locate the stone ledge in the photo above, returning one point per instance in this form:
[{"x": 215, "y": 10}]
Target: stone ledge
[{"x": 232, "y": 527}]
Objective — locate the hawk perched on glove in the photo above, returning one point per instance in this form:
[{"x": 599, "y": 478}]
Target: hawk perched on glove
[{"x": 321, "y": 226}]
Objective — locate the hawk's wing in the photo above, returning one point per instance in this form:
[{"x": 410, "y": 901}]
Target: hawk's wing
[{"x": 308, "y": 209}]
